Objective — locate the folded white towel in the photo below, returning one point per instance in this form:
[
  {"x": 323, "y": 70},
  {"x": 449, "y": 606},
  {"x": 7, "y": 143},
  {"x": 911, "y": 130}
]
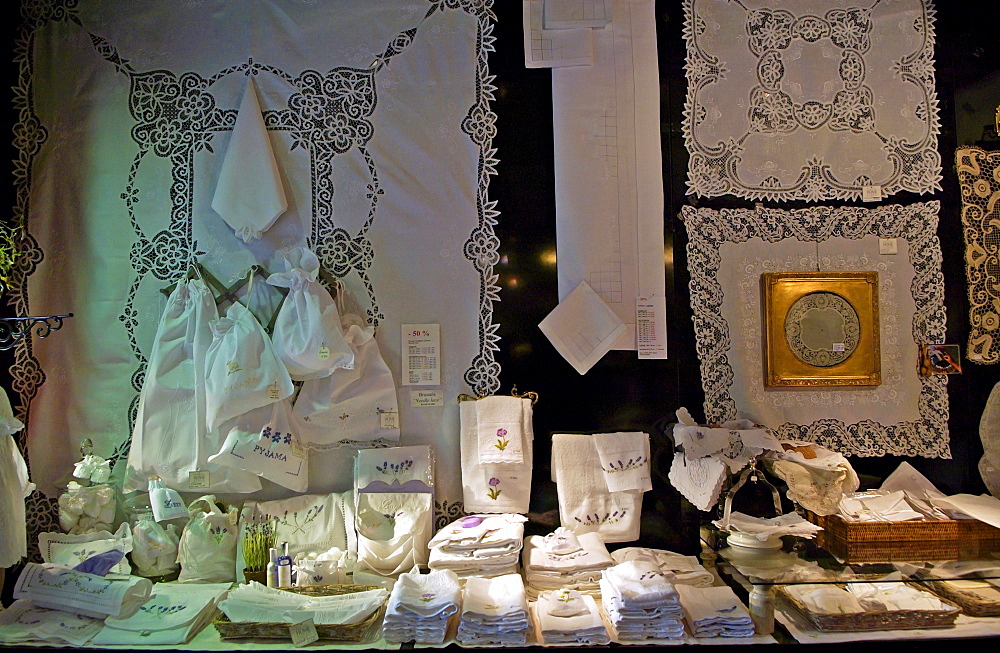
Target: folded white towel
[
  {"x": 500, "y": 420},
  {"x": 715, "y": 611},
  {"x": 639, "y": 584},
  {"x": 495, "y": 487},
  {"x": 494, "y": 610},
  {"x": 480, "y": 532},
  {"x": 249, "y": 195},
  {"x": 585, "y": 504},
  {"x": 592, "y": 555},
  {"x": 624, "y": 460},
  {"x": 570, "y": 617}
]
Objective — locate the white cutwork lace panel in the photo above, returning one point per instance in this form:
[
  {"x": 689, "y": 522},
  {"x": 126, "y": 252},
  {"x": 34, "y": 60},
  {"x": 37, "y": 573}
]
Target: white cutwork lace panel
[
  {"x": 710, "y": 230},
  {"x": 810, "y": 99},
  {"x": 979, "y": 179}
]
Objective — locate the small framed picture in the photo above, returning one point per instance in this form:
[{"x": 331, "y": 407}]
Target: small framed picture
[
  {"x": 821, "y": 329},
  {"x": 940, "y": 359}
]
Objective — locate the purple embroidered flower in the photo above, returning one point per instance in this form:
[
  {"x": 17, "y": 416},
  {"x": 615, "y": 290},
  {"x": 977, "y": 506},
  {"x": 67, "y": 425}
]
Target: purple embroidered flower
[
  {"x": 427, "y": 596},
  {"x": 471, "y": 521},
  {"x": 494, "y": 481},
  {"x": 288, "y": 438},
  {"x": 501, "y": 432},
  {"x": 494, "y": 492},
  {"x": 501, "y": 443}
]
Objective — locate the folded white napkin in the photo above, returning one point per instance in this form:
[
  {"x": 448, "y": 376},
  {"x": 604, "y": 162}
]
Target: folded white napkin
[
  {"x": 624, "y": 460},
  {"x": 499, "y": 421},
  {"x": 494, "y": 610},
  {"x": 762, "y": 528},
  {"x": 249, "y": 195},
  {"x": 677, "y": 568},
  {"x": 639, "y": 584},
  {"x": 481, "y": 531},
  {"x": 175, "y": 613},
  {"x": 585, "y": 504},
  {"x": 422, "y": 596},
  {"x": 715, "y": 611},
  {"x": 590, "y": 554},
  {"x": 24, "y": 622},
  {"x": 570, "y": 617},
  {"x": 495, "y": 487}
]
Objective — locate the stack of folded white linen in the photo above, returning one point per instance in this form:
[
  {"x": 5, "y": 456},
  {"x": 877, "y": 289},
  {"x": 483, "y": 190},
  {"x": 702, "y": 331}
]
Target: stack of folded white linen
[
  {"x": 494, "y": 612},
  {"x": 715, "y": 612},
  {"x": 676, "y": 568},
  {"x": 640, "y": 603},
  {"x": 420, "y": 606},
  {"x": 479, "y": 545},
  {"x": 569, "y": 617},
  {"x": 563, "y": 560}
]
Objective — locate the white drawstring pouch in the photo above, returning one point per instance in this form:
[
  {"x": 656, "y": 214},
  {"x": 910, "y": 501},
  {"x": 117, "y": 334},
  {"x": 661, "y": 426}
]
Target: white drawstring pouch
[
  {"x": 308, "y": 336},
  {"x": 265, "y": 441},
  {"x": 351, "y": 404},
  {"x": 170, "y": 438},
  {"x": 242, "y": 370},
  {"x": 207, "y": 548}
]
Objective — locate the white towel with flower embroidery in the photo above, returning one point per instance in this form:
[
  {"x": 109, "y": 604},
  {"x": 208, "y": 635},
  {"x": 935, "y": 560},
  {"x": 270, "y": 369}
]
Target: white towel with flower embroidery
[
  {"x": 420, "y": 607},
  {"x": 175, "y": 613},
  {"x": 489, "y": 487},
  {"x": 624, "y": 460},
  {"x": 585, "y": 503},
  {"x": 500, "y": 425},
  {"x": 566, "y": 616}
]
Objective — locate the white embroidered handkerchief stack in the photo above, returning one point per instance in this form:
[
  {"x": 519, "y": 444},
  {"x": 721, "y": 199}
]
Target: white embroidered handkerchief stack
[
  {"x": 568, "y": 617},
  {"x": 585, "y": 503},
  {"x": 175, "y": 614},
  {"x": 420, "y": 607},
  {"x": 494, "y": 611},
  {"x": 249, "y": 195},
  {"x": 552, "y": 564},
  {"x": 499, "y": 421},
  {"x": 715, "y": 612},
  {"x": 624, "y": 460},
  {"x": 479, "y": 545},
  {"x": 640, "y": 603},
  {"x": 676, "y": 568}
]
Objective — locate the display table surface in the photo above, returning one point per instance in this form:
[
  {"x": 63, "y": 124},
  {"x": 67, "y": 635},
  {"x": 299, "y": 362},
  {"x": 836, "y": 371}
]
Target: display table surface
[{"x": 761, "y": 572}]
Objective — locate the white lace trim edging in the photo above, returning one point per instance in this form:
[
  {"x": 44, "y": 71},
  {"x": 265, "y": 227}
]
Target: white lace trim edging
[
  {"x": 810, "y": 106},
  {"x": 709, "y": 229}
]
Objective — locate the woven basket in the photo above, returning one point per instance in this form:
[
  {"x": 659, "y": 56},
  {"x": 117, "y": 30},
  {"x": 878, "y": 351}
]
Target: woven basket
[
  {"x": 359, "y": 632},
  {"x": 970, "y": 603},
  {"x": 875, "y": 620},
  {"x": 908, "y": 541}
]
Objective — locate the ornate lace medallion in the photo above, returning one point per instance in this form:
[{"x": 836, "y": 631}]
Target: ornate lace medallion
[{"x": 817, "y": 323}]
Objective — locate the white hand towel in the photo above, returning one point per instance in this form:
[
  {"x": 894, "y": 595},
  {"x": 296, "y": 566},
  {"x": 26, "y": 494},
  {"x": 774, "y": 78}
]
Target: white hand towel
[
  {"x": 499, "y": 423},
  {"x": 714, "y": 610},
  {"x": 639, "y": 584},
  {"x": 624, "y": 460},
  {"x": 504, "y": 488},
  {"x": 585, "y": 504},
  {"x": 249, "y": 195}
]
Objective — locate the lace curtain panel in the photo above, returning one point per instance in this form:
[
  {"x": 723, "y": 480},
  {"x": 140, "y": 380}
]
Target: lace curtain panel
[
  {"x": 810, "y": 99},
  {"x": 729, "y": 249},
  {"x": 979, "y": 180},
  {"x": 379, "y": 114}
]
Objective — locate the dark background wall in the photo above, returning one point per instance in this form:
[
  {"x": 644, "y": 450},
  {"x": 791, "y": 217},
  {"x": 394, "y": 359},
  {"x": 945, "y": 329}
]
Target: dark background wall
[{"x": 620, "y": 392}]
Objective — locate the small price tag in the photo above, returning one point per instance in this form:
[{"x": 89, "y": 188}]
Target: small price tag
[
  {"x": 871, "y": 193},
  {"x": 389, "y": 420},
  {"x": 297, "y": 449},
  {"x": 303, "y": 633},
  {"x": 199, "y": 480},
  {"x": 324, "y": 353},
  {"x": 274, "y": 391},
  {"x": 887, "y": 246},
  {"x": 838, "y": 346}
]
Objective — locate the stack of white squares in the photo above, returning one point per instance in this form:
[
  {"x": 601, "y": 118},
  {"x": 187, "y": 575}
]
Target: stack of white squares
[
  {"x": 494, "y": 612},
  {"x": 640, "y": 603},
  {"x": 715, "y": 612},
  {"x": 420, "y": 606}
]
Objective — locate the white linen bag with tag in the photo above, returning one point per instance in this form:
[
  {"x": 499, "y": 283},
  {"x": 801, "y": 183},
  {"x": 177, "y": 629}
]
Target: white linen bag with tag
[
  {"x": 242, "y": 370},
  {"x": 350, "y": 405},
  {"x": 308, "y": 336},
  {"x": 207, "y": 548},
  {"x": 171, "y": 438},
  {"x": 265, "y": 441}
]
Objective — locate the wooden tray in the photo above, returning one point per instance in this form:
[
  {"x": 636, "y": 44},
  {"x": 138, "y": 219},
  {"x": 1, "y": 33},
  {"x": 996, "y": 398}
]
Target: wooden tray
[
  {"x": 359, "y": 632},
  {"x": 909, "y": 541},
  {"x": 971, "y": 603},
  {"x": 875, "y": 620}
]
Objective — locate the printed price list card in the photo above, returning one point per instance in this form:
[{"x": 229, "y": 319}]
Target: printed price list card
[{"x": 421, "y": 354}]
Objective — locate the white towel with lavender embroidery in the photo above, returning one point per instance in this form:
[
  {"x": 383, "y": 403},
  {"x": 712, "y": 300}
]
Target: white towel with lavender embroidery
[
  {"x": 624, "y": 460},
  {"x": 490, "y": 487},
  {"x": 585, "y": 504},
  {"x": 639, "y": 584},
  {"x": 500, "y": 423}
]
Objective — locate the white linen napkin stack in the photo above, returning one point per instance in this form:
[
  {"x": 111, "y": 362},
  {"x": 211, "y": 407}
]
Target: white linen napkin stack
[
  {"x": 640, "y": 603},
  {"x": 494, "y": 612},
  {"x": 479, "y": 545},
  {"x": 715, "y": 612},
  {"x": 676, "y": 568},
  {"x": 562, "y": 560},
  {"x": 569, "y": 617},
  {"x": 420, "y": 607}
]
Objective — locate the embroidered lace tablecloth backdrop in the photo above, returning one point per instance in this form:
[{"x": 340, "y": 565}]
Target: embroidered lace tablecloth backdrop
[
  {"x": 979, "y": 179},
  {"x": 810, "y": 99},
  {"x": 907, "y": 415},
  {"x": 379, "y": 115}
]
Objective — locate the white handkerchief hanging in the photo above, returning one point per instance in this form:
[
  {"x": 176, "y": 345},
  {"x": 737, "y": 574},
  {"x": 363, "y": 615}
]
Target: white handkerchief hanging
[
  {"x": 249, "y": 195},
  {"x": 500, "y": 420},
  {"x": 308, "y": 336}
]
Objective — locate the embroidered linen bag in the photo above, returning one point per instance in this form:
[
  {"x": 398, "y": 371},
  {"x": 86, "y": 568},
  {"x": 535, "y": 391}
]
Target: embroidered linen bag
[{"x": 207, "y": 548}]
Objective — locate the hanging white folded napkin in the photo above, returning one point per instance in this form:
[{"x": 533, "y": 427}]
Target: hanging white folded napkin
[
  {"x": 499, "y": 420},
  {"x": 624, "y": 460},
  {"x": 249, "y": 195}
]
